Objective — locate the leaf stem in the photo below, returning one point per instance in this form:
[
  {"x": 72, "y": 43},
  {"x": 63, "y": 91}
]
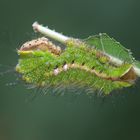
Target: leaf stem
[{"x": 50, "y": 33}]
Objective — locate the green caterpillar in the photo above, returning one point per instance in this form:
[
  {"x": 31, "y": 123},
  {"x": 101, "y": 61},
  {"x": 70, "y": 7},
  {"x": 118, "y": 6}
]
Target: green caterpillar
[{"x": 84, "y": 62}]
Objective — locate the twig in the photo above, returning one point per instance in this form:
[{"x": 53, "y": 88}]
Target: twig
[{"x": 50, "y": 33}]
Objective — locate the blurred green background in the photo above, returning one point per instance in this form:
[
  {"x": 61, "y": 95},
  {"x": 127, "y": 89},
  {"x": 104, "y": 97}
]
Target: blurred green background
[{"x": 30, "y": 115}]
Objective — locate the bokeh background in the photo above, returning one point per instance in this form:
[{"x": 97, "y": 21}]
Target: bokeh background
[{"x": 27, "y": 114}]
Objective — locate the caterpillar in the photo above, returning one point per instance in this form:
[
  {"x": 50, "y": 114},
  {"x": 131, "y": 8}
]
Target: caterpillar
[{"x": 84, "y": 62}]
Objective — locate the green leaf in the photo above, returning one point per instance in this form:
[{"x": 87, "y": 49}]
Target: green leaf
[{"x": 110, "y": 46}]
